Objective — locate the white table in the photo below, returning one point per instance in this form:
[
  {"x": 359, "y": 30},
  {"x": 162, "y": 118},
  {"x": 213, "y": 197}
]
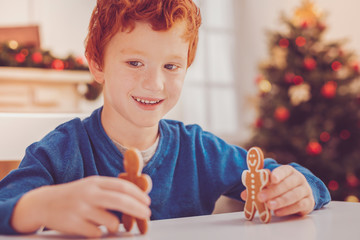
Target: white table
[{"x": 337, "y": 220}]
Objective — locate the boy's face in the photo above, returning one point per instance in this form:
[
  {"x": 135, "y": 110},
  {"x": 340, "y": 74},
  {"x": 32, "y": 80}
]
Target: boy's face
[{"x": 143, "y": 73}]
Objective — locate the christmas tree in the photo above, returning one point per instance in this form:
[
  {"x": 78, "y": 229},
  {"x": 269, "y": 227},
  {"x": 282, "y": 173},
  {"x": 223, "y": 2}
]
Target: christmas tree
[{"x": 309, "y": 103}]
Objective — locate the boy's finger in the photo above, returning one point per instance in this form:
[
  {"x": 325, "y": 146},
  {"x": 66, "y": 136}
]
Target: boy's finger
[
  {"x": 302, "y": 207},
  {"x": 123, "y": 203},
  {"x": 243, "y": 195},
  {"x": 123, "y": 186},
  {"x": 275, "y": 190},
  {"x": 288, "y": 198},
  {"x": 103, "y": 217},
  {"x": 280, "y": 173},
  {"x": 83, "y": 228}
]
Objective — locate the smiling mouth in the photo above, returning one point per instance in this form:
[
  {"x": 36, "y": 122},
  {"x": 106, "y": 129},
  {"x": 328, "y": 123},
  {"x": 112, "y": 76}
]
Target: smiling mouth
[
  {"x": 252, "y": 163},
  {"x": 147, "y": 101}
]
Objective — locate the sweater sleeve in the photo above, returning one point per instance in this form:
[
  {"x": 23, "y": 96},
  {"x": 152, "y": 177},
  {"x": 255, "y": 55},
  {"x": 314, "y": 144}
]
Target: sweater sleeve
[
  {"x": 320, "y": 192},
  {"x": 6, "y": 209},
  {"x": 32, "y": 173},
  {"x": 228, "y": 170},
  {"x": 57, "y": 158}
]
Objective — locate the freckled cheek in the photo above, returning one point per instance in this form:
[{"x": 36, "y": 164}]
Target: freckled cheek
[
  {"x": 121, "y": 82},
  {"x": 174, "y": 87}
]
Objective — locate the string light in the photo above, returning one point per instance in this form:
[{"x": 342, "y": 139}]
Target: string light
[
  {"x": 313, "y": 148},
  {"x": 265, "y": 86},
  {"x": 352, "y": 198},
  {"x": 13, "y": 44}
]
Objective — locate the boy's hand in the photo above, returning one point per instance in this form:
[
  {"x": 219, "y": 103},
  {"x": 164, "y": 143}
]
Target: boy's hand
[
  {"x": 81, "y": 206},
  {"x": 288, "y": 192}
]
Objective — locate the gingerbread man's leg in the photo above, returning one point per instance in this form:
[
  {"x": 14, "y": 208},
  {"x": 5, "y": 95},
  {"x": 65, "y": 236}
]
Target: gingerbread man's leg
[
  {"x": 264, "y": 212},
  {"x": 128, "y": 222},
  {"x": 249, "y": 209},
  {"x": 142, "y": 225}
]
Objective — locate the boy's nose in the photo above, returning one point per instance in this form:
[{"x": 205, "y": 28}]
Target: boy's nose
[{"x": 154, "y": 81}]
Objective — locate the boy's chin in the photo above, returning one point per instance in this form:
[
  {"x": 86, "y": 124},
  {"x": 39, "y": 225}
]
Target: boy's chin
[{"x": 148, "y": 122}]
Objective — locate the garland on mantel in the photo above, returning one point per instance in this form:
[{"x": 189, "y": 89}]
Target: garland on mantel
[{"x": 12, "y": 54}]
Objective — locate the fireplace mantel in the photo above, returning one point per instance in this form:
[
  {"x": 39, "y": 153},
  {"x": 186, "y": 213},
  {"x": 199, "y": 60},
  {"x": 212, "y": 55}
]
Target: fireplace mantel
[{"x": 41, "y": 90}]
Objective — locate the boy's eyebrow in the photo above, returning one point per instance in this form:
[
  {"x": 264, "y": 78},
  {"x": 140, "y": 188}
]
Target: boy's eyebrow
[
  {"x": 179, "y": 57},
  {"x": 138, "y": 52},
  {"x": 131, "y": 51}
]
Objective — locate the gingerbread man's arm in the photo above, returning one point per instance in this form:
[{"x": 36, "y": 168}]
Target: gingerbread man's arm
[
  {"x": 243, "y": 177},
  {"x": 124, "y": 176},
  {"x": 144, "y": 183},
  {"x": 265, "y": 177}
]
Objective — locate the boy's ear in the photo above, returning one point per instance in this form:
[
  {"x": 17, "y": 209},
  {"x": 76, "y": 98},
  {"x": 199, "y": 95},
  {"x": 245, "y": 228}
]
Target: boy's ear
[{"x": 96, "y": 71}]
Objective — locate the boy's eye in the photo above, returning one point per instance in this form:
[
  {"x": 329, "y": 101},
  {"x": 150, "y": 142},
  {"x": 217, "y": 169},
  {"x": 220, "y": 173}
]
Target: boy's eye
[
  {"x": 171, "y": 66},
  {"x": 135, "y": 63}
]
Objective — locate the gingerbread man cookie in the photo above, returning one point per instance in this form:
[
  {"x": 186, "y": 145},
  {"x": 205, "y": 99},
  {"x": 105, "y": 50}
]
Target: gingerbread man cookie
[
  {"x": 255, "y": 179},
  {"x": 133, "y": 164}
]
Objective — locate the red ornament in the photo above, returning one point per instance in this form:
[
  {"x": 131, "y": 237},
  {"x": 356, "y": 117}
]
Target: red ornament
[
  {"x": 300, "y": 41},
  {"x": 259, "y": 123},
  {"x": 281, "y": 114},
  {"x": 356, "y": 67},
  {"x": 321, "y": 26},
  {"x": 289, "y": 77},
  {"x": 304, "y": 25},
  {"x": 297, "y": 80},
  {"x": 79, "y": 60},
  {"x": 284, "y": 43},
  {"x": 357, "y": 98},
  {"x": 37, "y": 57},
  {"x": 333, "y": 185},
  {"x": 328, "y": 90},
  {"x": 57, "y": 64},
  {"x": 313, "y": 148},
  {"x": 352, "y": 180},
  {"x": 324, "y": 136},
  {"x": 25, "y": 51},
  {"x": 20, "y": 57},
  {"x": 345, "y": 134},
  {"x": 336, "y": 66},
  {"x": 259, "y": 78},
  {"x": 309, "y": 63}
]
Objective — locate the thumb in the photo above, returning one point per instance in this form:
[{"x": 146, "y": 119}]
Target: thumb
[{"x": 243, "y": 195}]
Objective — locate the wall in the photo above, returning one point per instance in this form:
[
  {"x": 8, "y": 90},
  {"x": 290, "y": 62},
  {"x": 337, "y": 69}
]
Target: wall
[{"x": 64, "y": 26}]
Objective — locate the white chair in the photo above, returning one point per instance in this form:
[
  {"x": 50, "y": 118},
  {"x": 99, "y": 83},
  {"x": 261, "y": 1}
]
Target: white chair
[{"x": 19, "y": 130}]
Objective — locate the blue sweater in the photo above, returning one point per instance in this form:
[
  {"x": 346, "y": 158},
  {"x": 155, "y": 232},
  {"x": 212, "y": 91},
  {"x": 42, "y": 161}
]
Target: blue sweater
[{"x": 190, "y": 169}]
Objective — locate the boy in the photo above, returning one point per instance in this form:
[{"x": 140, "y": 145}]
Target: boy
[{"x": 139, "y": 51}]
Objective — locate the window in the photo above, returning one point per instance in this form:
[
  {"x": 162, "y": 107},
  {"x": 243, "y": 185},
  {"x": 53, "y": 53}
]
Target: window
[{"x": 209, "y": 96}]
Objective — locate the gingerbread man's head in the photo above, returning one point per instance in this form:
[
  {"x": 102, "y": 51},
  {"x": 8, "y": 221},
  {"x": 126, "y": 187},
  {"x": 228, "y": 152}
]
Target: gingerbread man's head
[
  {"x": 133, "y": 162},
  {"x": 255, "y": 159}
]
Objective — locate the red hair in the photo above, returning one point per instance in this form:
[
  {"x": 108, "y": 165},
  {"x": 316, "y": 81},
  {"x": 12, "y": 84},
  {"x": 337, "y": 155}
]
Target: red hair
[{"x": 110, "y": 16}]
